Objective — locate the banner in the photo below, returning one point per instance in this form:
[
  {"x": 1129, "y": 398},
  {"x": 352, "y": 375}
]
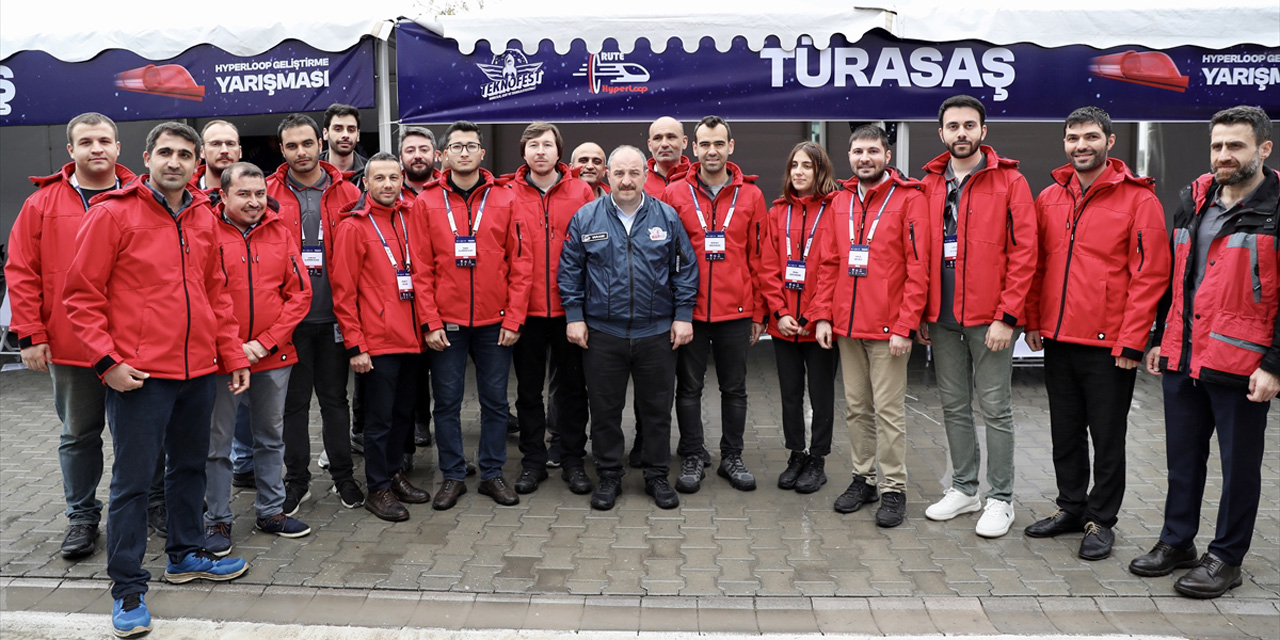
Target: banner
[
  {"x": 203, "y": 81},
  {"x": 877, "y": 78}
]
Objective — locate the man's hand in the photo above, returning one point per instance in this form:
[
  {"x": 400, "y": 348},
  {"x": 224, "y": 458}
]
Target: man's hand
[
  {"x": 36, "y": 357},
  {"x": 507, "y": 337},
  {"x": 1126, "y": 363},
  {"x": 576, "y": 332},
  {"x": 922, "y": 336},
  {"x": 823, "y": 334},
  {"x": 361, "y": 363},
  {"x": 123, "y": 377},
  {"x": 1153, "y": 361},
  {"x": 788, "y": 326},
  {"x": 1032, "y": 338},
  {"x": 1263, "y": 385},
  {"x": 437, "y": 340},
  {"x": 757, "y": 328},
  {"x": 254, "y": 351},
  {"x": 899, "y": 345},
  {"x": 239, "y": 381},
  {"x": 999, "y": 335},
  {"x": 681, "y": 334}
]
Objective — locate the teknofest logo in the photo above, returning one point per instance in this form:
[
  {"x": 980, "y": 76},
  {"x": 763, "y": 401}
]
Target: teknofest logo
[{"x": 510, "y": 73}]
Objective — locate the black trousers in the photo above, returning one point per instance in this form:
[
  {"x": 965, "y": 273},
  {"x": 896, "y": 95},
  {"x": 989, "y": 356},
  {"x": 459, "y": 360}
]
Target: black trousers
[
  {"x": 1193, "y": 411},
  {"x": 390, "y": 391},
  {"x": 796, "y": 362},
  {"x": 727, "y": 342},
  {"x": 543, "y": 345},
  {"x": 322, "y": 366},
  {"x": 650, "y": 364},
  {"x": 1089, "y": 398},
  {"x": 422, "y": 409}
]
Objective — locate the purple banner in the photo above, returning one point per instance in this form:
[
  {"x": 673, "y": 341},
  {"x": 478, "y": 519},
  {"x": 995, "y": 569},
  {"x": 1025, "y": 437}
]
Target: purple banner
[
  {"x": 203, "y": 81},
  {"x": 878, "y": 77}
]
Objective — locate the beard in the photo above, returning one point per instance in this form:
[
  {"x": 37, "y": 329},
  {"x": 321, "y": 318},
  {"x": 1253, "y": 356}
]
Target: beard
[
  {"x": 1244, "y": 173},
  {"x": 973, "y": 148},
  {"x": 418, "y": 175}
]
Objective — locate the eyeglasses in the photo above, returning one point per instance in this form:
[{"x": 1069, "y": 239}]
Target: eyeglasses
[{"x": 457, "y": 147}]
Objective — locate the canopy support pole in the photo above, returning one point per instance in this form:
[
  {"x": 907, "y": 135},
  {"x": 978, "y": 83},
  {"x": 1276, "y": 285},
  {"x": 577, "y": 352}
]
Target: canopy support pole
[{"x": 383, "y": 55}]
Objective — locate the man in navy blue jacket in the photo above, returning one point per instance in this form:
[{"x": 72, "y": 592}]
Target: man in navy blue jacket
[{"x": 628, "y": 282}]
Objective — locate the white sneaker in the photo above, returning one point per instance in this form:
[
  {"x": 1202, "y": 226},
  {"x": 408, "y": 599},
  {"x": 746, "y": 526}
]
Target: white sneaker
[
  {"x": 323, "y": 462},
  {"x": 953, "y": 503},
  {"x": 996, "y": 519}
]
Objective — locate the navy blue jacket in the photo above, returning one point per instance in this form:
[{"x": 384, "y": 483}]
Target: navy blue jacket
[{"x": 629, "y": 286}]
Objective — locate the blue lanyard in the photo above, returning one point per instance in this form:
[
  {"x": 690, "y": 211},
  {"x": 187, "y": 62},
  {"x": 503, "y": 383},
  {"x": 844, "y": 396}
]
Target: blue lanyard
[
  {"x": 386, "y": 248},
  {"x": 698, "y": 207},
  {"x": 479, "y": 214},
  {"x": 872, "y": 232},
  {"x": 808, "y": 244}
]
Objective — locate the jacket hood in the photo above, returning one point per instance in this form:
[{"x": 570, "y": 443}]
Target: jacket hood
[
  {"x": 1265, "y": 198},
  {"x": 810, "y": 199},
  {"x": 736, "y": 177},
  {"x": 122, "y": 173},
  {"x": 1116, "y": 172},
  {"x": 366, "y": 205},
  {"x": 139, "y": 188},
  {"x": 939, "y": 164},
  {"x": 896, "y": 177},
  {"x": 486, "y": 178},
  {"x": 335, "y": 176},
  {"x": 677, "y": 171}
]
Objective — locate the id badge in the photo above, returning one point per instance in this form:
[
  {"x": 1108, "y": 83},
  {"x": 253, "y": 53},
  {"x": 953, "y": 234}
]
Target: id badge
[
  {"x": 794, "y": 275},
  {"x": 404, "y": 282},
  {"x": 313, "y": 259},
  {"x": 337, "y": 334},
  {"x": 859, "y": 259},
  {"x": 949, "y": 246},
  {"x": 713, "y": 243},
  {"x": 464, "y": 251}
]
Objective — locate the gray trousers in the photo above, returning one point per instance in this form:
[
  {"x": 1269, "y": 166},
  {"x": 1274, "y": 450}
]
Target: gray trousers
[{"x": 266, "y": 420}]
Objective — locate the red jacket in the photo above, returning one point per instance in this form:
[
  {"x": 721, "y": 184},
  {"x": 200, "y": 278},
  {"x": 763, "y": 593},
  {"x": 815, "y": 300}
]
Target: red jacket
[
  {"x": 496, "y": 289},
  {"x": 41, "y": 246},
  {"x": 337, "y": 196},
  {"x": 779, "y": 300},
  {"x": 147, "y": 289},
  {"x": 547, "y": 219},
  {"x": 727, "y": 289},
  {"x": 269, "y": 287},
  {"x": 199, "y": 175},
  {"x": 366, "y": 296},
  {"x": 1103, "y": 261},
  {"x": 890, "y": 299},
  {"x": 996, "y": 224},
  {"x": 1235, "y": 324},
  {"x": 655, "y": 185}
]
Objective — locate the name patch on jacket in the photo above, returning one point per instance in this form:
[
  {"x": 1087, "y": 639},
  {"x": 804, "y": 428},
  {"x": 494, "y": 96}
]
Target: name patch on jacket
[
  {"x": 596, "y": 237},
  {"x": 657, "y": 234}
]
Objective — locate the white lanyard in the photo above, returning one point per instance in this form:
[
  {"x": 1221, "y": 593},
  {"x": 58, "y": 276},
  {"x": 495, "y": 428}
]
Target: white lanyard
[
  {"x": 479, "y": 214},
  {"x": 703, "y": 221},
  {"x": 808, "y": 243},
  {"x": 391, "y": 256},
  {"x": 872, "y": 232}
]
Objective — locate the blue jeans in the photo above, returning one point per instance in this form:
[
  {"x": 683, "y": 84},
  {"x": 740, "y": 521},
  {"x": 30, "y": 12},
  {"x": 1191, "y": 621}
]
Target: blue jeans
[
  {"x": 265, "y": 402},
  {"x": 448, "y": 383},
  {"x": 242, "y": 443},
  {"x": 80, "y": 398},
  {"x": 166, "y": 420}
]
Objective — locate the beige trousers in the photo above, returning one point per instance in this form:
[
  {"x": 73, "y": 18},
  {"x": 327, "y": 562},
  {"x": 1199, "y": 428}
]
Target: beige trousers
[{"x": 875, "y": 388}]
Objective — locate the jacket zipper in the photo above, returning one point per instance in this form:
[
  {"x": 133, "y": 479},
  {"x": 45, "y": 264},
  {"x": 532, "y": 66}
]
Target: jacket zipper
[
  {"x": 248, "y": 259},
  {"x": 222, "y": 255},
  {"x": 1071, "y": 246},
  {"x": 1142, "y": 255},
  {"x": 471, "y": 273},
  {"x": 631, "y": 285},
  {"x": 183, "y": 249},
  {"x": 413, "y": 309},
  {"x": 546, "y": 218},
  {"x": 854, "y": 299},
  {"x": 911, "y": 233},
  {"x": 711, "y": 264},
  {"x": 804, "y": 224},
  {"x": 297, "y": 272},
  {"x": 1013, "y": 239}
]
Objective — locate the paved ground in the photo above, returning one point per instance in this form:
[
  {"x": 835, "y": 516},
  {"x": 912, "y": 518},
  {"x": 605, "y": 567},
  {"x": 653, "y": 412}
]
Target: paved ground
[{"x": 724, "y": 561}]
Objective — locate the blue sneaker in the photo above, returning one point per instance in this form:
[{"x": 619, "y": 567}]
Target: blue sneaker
[
  {"x": 129, "y": 616},
  {"x": 217, "y": 538},
  {"x": 283, "y": 526},
  {"x": 202, "y": 564}
]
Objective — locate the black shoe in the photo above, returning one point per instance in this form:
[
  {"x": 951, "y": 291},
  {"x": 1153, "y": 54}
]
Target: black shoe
[
  {"x": 245, "y": 480},
  {"x": 357, "y": 443},
  {"x": 606, "y": 493},
  {"x": 795, "y": 464},
  {"x": 735, "y": 471},
  {"x": 860, "y": 492},
  {"x": 663, "y": 495},
  {"x": 349, "y": 493},
  {"x": 79, "y": 541},
  {"x": 1211, "y": 578},
  {"x": 158, "y": 519},
  {"x": 1097, "y": 541},
  {"x": 1163, "y": 559},
  {"x": 1058, "y": 523},
  {"x": 577, "y": 479},
  {"x": 529, "y": 479},
  {"x": 893, "y": 509},
  {"x": 422, "y": 436},
  {"x": 294, "y": 495},
  {"x": 813, "y": 476},
  {"x": 691, "y": 474}
]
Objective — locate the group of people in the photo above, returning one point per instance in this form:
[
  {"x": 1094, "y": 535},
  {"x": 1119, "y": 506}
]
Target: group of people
[{"x": 195, "y": 310}]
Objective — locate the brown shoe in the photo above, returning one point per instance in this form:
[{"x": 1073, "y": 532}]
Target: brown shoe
[
  {"x": 405, "y": 492},
  {"x": 383, "y": 503},
  {"x": 448, "y": 495},
  {"x": 501, "y": 492}
]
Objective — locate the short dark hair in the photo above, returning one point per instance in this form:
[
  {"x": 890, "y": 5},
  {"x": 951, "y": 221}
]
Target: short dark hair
[
  {"x": 405, "y": 132},
  {"x": 963, "y": 101},
  {"x": 463, "y": 126},
  {"x": 238, "y": 170},
  {"x": 1255, "y": 117},
  {"x": 538, "y": 128},
  {"x": 1089, "y": 115},
  {"x": 870, "y": 132},
  {"x": 89, "y": 119},
  {"x": 294, "y": 120},
  {"x": 213, "y": 122},
  {"x": 382, "y": 156},
  {"x": 172, "y": 128},
  {"x": 712, "y": 122},
  {"x": 337, "y": 109}
]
